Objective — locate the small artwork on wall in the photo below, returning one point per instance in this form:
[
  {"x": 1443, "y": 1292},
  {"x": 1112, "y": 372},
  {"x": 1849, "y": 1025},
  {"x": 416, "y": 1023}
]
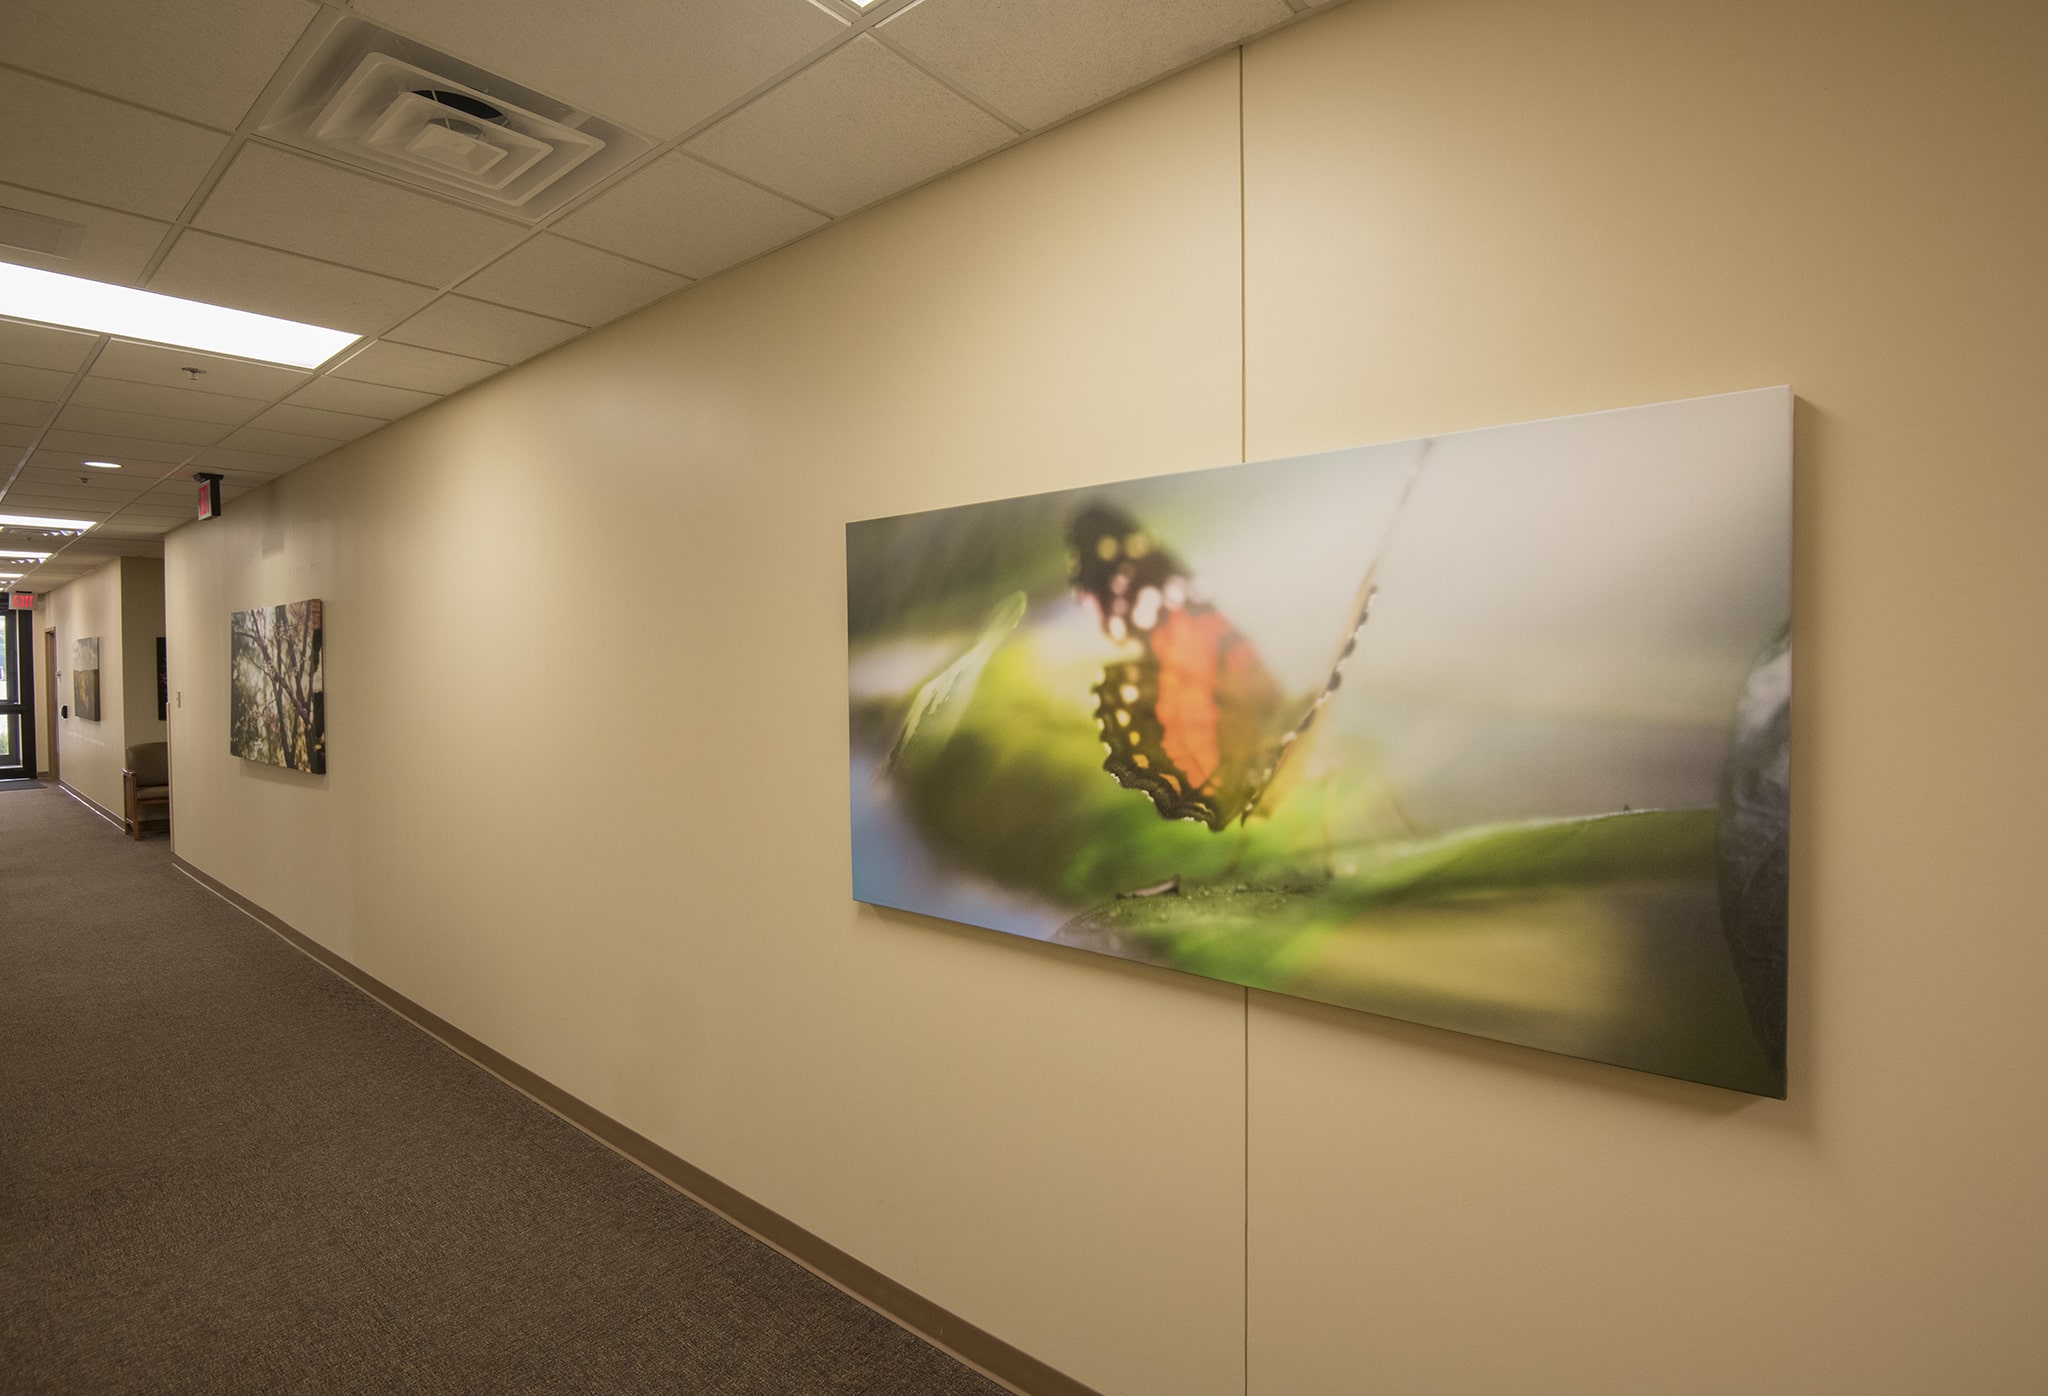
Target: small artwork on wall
[
  {"x": 1488, "y": 731},
  {"x": 85, "y": 678},
  {"x": 277, "y": 700}
]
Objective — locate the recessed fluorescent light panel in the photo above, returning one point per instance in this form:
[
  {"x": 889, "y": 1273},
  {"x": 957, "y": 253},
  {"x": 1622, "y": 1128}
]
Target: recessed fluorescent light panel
[
  {"x": 10, "y": 555},
  {"x": 51, "y": 298},
  {"x": 103, "y": 464},
  {"x": 47, "y": 525}
]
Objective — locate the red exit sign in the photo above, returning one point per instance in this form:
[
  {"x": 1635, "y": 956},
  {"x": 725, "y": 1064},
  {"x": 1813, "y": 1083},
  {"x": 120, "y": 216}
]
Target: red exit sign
[{"x": 21, "y": 601}]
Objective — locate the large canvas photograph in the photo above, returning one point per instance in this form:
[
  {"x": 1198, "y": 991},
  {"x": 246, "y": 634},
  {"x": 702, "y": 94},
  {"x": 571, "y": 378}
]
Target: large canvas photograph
[
  {"x": 1488, "y": 731},
  {"x": 85, "y": 678},
  {"x": 277, "y": 699}
]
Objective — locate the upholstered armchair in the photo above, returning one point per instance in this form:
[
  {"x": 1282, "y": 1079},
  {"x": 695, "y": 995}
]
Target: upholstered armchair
[{"x": 146, "y": 781}]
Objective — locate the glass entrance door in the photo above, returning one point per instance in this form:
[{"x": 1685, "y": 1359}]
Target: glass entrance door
[{"x": 17, "y": 696}]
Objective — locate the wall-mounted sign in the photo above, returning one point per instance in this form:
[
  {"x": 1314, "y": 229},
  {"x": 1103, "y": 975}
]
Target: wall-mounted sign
[{"x": 21, "y": 601}]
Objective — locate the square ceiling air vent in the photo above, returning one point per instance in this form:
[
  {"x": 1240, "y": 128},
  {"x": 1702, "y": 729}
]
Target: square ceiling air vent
[
  {"x": 382, "y": 102},
  {"x": 32, "y": 232},
  {"x": 428, "y": 127}
]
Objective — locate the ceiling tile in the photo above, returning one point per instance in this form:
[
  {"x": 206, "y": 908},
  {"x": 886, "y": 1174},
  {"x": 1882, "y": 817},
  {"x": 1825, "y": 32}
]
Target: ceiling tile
[
  {"x": 39, "y": 346},
  {"x": 14, "y": 437},
  {"x": 43, "y": 506},
  {"x": 35, "y": 384},
  {"x": 654, "y": 64},
  {"x": 22, "y": 412},
  {"x": 67, "y": 491},
  {"x": 481, "y": 330},
  {"x": 114, "y": 246},
  {"x": 284, "y": 200},
  {"x": 856, "y": 126},
  {"x": 403, "y": 366},
  {"x": 566, "y": 280},
  {"x": 150, "y": 363},
  {"x": 208, "y": 268},
  {"x": 187, "y": 402},
  {"x": 69, "y": 465},
  {"x": 142, "y": 426},
  {"x": 681, "y": 214},
  {"x": 173, "y": 492},
  {"x": 1046, "y": 60},
  {"x": 76, "y": 145},
  {"x": 311, "y": 421},
  {"x": 366, "y": 399},
  {"x": 242, "y": 466},
  {"x": 277, "y": 443},
  {"x": 201, "y": 59},
  {"x": 125, "y": 449}
]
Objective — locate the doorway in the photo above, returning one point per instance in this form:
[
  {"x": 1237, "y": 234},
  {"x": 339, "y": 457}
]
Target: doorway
[{"x": 17, "y": 696}]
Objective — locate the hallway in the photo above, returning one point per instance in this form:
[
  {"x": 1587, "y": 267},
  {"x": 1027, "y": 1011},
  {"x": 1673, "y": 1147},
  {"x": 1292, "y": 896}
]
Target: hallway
[{"x": 224, "y": 1170}]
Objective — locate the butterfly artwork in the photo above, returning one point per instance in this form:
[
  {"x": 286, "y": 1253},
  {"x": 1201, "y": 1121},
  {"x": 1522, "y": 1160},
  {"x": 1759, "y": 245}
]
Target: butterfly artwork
[
  {"x": 1191, "y": 716},
  {"x": 1444, "y": 729}
]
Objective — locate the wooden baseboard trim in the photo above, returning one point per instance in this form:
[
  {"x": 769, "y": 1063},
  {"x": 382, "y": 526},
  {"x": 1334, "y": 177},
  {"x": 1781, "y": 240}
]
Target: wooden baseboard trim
[{"x": 979, "y": 1349}]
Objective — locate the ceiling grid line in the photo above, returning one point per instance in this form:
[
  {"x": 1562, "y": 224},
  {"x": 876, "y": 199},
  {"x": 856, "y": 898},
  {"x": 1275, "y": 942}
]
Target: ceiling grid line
[
  {"x": 787, "y": 124},
  {"x": 1022, "y": 130}
]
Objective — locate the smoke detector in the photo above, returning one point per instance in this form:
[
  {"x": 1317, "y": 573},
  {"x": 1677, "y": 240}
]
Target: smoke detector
[{"x": 374, "y": 99}]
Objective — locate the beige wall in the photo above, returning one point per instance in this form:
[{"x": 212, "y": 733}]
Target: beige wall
[
  {"x": 90, "y": 753},
  {"x": 123, "y": 604},
  {"x": 587, "y": 741},
  {"x": 1465, "y": 212}
]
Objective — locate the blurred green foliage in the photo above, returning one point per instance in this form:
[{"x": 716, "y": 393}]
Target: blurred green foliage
[{"x": 1265, "y": 935}]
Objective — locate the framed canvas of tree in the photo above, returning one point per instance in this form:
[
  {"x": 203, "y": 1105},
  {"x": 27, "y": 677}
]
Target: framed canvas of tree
[
  {"x": 85, "y": 678},
  {"x": 277, "y": 693}
]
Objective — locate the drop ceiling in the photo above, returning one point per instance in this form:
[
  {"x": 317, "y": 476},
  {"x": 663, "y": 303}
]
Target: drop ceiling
[{"x": 142, "y": 141}]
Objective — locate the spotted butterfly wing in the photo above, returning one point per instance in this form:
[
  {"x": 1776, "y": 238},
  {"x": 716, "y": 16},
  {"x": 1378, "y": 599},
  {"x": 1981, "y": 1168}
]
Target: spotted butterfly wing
[{"x": 1193, "y": 717}]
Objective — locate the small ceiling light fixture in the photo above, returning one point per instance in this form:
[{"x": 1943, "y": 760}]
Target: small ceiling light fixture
[
  {"x": 35, "y": 521},
  {"x": 13, "y": 556},
  {"x": 103, "y": 464},
  {"x": 51, "y": 298}
]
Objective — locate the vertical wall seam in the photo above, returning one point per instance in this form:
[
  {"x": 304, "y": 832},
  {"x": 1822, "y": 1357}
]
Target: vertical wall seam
[
  {"x": 1243, "y": 297},
  {"x": 1244, "y": 453}
]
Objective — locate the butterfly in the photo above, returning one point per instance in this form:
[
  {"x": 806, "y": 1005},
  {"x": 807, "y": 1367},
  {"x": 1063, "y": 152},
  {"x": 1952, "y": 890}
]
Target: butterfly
[{"x": 1192, "y": 716}]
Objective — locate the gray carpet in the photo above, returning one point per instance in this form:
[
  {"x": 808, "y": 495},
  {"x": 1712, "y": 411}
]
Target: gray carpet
[{"x": 222, "y": 1170}]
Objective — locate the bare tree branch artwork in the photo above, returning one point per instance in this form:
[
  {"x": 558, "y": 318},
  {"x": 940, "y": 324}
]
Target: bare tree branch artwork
[{"x": 277, "y": 710}]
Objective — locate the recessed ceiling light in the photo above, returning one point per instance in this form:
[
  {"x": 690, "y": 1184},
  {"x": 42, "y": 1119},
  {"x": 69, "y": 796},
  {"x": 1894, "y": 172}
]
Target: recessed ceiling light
[
  {"x": 51, "y": 298},
  {"x": 103, "y": 465},
  {"x": 51, "y": 525},
  {"x": 10, "y": 576},
  {"x": 13, "y": 556}
]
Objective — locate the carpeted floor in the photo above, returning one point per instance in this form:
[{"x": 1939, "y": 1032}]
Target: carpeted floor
[{"x": 222, "y": 1170}]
